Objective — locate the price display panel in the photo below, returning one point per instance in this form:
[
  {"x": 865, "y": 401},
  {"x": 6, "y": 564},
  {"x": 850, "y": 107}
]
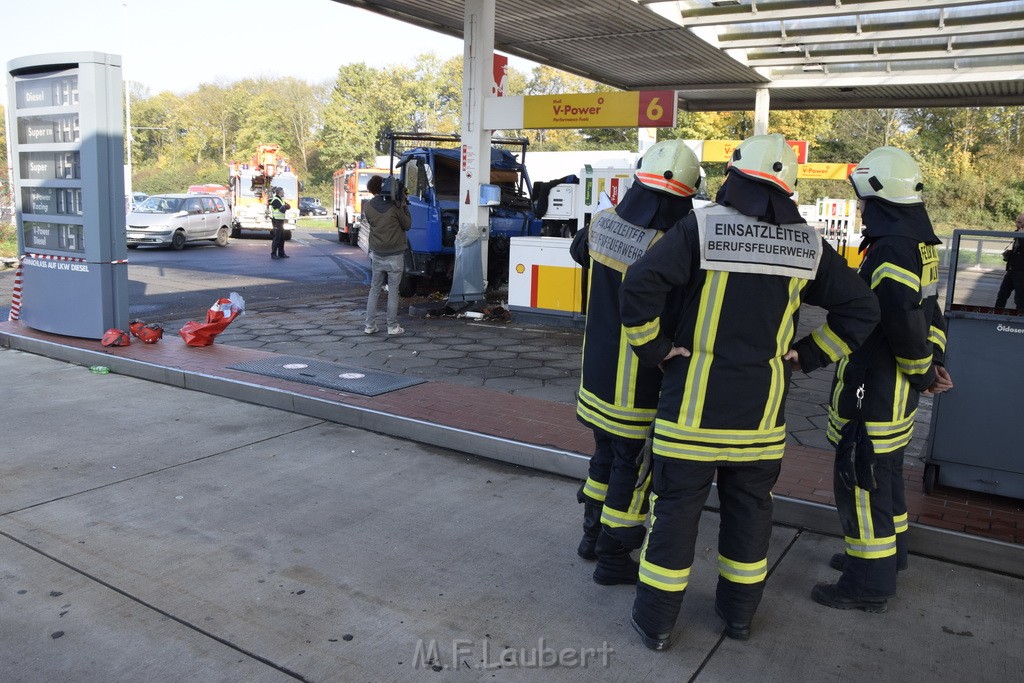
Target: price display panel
[
  {"x": 67, "y": 147},
  {"x": 48, "y": 160}
]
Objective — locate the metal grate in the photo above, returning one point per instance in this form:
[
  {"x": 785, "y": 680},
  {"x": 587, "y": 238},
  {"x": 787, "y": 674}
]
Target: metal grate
[{"x": 328, "y": 375}]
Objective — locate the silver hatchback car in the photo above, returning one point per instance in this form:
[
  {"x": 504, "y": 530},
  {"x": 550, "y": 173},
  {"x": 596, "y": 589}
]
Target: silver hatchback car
[{"x": 175, "y": 219}]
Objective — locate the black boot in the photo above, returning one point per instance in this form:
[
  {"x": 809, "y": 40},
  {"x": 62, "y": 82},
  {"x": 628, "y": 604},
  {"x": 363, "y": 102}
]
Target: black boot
[
  {"x": 591, "y": 530},
  {"x": 614, "y": 565},
  {"x": 828, "y": 594},
  {"x": 654, "y": 615}
]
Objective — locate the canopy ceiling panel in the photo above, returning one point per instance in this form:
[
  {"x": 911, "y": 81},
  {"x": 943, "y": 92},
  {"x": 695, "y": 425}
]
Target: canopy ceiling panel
[{"x": 819, "y": 54}]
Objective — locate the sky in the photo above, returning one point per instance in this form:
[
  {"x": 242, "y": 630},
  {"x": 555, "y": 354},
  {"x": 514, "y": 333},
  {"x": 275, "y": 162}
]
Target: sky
[{"x": 178, "y": 45}]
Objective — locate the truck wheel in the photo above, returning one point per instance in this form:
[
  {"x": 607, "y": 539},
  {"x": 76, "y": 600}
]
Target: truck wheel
[
  {"x": 222, "y": 237},
  {"x": 407, "y": 287},
  {"x": 287, "y": 235},
  {"x": 133, "y": 246},
  {"x": 236, "y": 232},
  {"x": 178, "y": 240}
]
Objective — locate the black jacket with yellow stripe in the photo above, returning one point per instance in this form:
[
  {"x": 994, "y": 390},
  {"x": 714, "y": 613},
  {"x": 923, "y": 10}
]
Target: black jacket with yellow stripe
[
  {"x": 725, "y": 402},
  {"x": 617, "y": 395},
  {"x": 897, "y": 362}
]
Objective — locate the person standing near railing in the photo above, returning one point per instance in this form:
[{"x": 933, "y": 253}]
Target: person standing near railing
[{"x": 1013, "y": 281}]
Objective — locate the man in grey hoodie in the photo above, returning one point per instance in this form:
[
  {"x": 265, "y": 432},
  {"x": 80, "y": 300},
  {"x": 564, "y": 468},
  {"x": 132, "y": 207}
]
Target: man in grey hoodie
[{"x": 389, "y": 220}]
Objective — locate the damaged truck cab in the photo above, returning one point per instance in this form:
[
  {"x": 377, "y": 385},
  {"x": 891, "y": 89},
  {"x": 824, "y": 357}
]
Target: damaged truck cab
[{"x": 429, "y": 167}]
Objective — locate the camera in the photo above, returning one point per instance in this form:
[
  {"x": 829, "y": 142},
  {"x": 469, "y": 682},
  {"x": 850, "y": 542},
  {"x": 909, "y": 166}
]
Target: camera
[{"x": 393, "y": 189}]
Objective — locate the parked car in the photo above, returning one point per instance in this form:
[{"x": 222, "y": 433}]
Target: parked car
[
  {"x": 310, "y": 206},
  {"x": 174, "y": 219}
]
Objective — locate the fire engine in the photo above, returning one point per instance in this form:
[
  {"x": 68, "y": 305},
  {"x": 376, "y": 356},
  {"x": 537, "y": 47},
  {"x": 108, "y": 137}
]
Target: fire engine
[
  {"x": 252, "y": 186},
  {"x": 349, "y": 193}
]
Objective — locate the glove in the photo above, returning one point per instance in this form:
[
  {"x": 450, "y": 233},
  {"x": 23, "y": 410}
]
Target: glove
[{"x": 855, "y": 457}]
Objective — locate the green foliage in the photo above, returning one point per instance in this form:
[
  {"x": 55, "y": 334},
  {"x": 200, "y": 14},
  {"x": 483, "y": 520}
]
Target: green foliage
[
  {"x": 176, "y": 177},
  {"x": 8, "y": 240}
]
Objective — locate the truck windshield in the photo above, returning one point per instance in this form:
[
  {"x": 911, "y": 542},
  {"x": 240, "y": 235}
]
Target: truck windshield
[
  {"x": 363, "y": 179},
  {"x": 288, "y": 184}
]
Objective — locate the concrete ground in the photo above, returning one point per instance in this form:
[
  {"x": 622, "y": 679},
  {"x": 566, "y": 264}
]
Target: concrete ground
[{"x": 151, "y": 533}]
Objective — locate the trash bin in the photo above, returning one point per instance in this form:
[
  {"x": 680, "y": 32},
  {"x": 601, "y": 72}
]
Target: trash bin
[{"x": 976, "y": 440}]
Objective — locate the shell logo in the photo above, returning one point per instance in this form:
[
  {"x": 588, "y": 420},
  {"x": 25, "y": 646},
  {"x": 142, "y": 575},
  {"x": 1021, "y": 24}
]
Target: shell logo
[{"x": 520, "y": 268}]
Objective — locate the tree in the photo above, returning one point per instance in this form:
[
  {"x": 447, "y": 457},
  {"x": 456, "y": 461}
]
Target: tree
[{"x": 351, "y": 123}]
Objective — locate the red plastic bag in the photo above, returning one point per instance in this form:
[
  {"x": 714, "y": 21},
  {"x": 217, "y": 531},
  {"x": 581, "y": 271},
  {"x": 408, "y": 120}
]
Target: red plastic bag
[{"x": 218, "y": 317}]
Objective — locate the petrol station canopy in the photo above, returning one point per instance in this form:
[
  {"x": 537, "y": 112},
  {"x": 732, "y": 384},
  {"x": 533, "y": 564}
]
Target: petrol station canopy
[{"x": 809, "y": 54}]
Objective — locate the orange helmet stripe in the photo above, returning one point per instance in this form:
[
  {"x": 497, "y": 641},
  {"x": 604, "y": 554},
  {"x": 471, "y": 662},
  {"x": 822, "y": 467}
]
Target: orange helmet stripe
[{"x": 661, "y": 182}]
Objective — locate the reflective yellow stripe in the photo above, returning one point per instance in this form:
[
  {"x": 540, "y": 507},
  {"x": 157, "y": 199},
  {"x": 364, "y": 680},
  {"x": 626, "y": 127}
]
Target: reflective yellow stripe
[
  {"x": 917, "y": 366},
  {"x": 629, "y": 423},
  {"x": 900, "y": 522},
  {"x": 702, "y": 353},
  {"x": 830, "y": 342},
  {"x": 871, "y": 549},
  {"x": 595, "y": 490},
  {"x": 897, "y": 274},
  {"x": 742, "y": 572},
  {"x": 641, "y": 334},
  {"x": 693, "y": 443},
  {"x": 618, "y": 518},
  {"x": 937, "y": 337},
  {"x": 777, "y": 384},
  {"x": 626, "y": 373},
  {"x": 672, "y": 580},
  {"x": 865, "y": 525}
]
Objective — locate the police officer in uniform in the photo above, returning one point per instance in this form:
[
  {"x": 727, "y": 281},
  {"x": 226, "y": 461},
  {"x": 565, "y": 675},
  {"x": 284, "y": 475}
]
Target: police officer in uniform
[
  {"x": 902, "y": 358},
  {"x": 738, "y": 272},
  {"x": 617, "y": 396},
  {"x": 278, "y": 206}
]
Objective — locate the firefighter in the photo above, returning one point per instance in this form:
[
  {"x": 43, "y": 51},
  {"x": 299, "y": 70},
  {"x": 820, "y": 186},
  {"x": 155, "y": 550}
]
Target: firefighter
[
  {"x": 737, "y": 272},
  {"x": 902, "y": 358},
  {"x": 617, "y": 398}
]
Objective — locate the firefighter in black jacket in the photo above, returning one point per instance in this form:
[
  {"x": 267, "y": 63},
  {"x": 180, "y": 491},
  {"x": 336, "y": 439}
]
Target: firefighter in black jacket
[
  {"x": 738, "y": 271},
  {"x": 902, "y": 358},
  {"x": 617, "y": 397}
]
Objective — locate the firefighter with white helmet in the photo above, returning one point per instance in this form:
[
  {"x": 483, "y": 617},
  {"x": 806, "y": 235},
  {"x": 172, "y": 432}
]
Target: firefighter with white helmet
[
  {"x": 901, "y": 358},
  {"x": 715, "y": 304},
  {"x": 617, "y": 397}
]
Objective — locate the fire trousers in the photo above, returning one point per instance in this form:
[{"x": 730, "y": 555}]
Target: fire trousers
[
  {"x": 679, "y": 489},
  {"x": 874, "y": 525},
  {"x": 611, "y": 482}
]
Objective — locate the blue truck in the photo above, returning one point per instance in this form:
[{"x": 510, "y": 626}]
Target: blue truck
[{"x": 429, "y": 168}]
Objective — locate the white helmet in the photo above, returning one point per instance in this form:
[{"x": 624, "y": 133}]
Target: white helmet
[
  {"x": 670, "y": 167},
  {"x": 889, "y": 174},
  {"x": 766, "y": 159}
]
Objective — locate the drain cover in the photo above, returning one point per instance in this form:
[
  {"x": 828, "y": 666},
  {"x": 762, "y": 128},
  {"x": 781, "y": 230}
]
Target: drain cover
[{"x": 328, "y": 375}]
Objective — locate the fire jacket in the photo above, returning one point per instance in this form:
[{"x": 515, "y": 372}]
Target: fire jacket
[
  {"x": 622, "y": 403},
  {"x": 897, "y": 362},
  {"x": 725, "y": 402}
]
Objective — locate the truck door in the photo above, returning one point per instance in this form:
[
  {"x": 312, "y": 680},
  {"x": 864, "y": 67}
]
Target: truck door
[{"x": 424, "y": 236}]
